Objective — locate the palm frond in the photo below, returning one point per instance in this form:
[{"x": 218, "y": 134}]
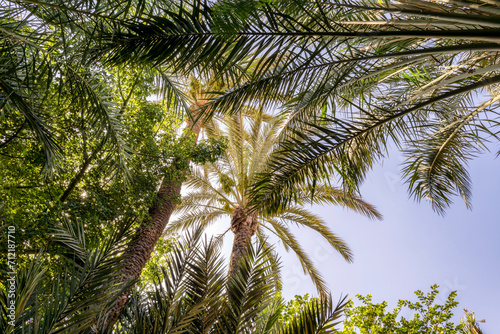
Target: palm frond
[
  {"x": 249, "y": 292},
  {"x": 436, "y": 167},
  {"x": 290, "y": 242},
  {"x": 304, "y": 218},
  {"x": 78, "y": 297},
  {"x": 181, "y": 34},
  {"x": 17, "y": 94},
  {"x": 323, "y": 194},
  {"x": 199, "y": 216},
  {"x": 319, "y": 316}
]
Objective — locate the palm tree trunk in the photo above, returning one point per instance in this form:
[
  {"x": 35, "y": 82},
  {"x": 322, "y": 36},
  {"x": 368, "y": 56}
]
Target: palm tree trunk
[
  {"x": 139, "y": 250},
  {"x": 243, "y": 226}
]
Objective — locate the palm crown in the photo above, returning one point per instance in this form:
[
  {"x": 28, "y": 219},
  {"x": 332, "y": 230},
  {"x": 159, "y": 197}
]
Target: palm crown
[
  {"x": 402, "y": 71},
  {"x": 222, "y": 189},
  {"x": 380, "y": 72}
]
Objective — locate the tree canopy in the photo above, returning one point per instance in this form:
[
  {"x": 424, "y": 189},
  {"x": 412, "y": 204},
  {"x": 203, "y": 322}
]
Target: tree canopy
[{"x": 92, "y": 98}]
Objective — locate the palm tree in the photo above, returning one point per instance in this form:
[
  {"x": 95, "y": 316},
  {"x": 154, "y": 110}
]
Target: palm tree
[
  {"x": 138, "y": 252},
  {"x": 397, "y": 71},
  {"x": 222, "y": 189},
  {"x": 196, "y": 295},
  {"x": 403, "y": 72},
  {"x": 75, "y": 298},
  {"x": 471, "y": 325}
]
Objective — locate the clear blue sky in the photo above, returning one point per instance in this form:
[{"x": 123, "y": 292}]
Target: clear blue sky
[{"x": 412, "y": 247}]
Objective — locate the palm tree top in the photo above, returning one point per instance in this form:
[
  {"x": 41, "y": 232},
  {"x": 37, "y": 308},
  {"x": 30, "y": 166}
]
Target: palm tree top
[{"x": 223, "y": 189}]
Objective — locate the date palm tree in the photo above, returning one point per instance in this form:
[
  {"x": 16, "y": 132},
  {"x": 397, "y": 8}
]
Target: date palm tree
[
  {"x": 379, "y": 72},
  {"x": 221, "y": 189},
  {"x": 195, "y": 294},
  {"x": 72, "y": 297}
]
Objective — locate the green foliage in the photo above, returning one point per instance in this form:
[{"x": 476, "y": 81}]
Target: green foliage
[
  {"x": 87, "y": 188},
  {"x": 33, "y": 203},
  {"x": 295, "y": 307},
  {"x": 73, "y": 299},
  {"x": 426, "y": 316},
  {"x": 209, "y": 150},
  {"x": 194, "y": 294},
  {"x": 158, "y": 259},
  {"x": 185, "y": 150}
]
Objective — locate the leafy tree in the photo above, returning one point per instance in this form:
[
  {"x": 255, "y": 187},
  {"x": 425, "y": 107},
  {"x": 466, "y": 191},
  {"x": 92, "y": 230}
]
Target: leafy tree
[
  {"x": 220, "y": 188},
  {"x": 84, "y": 188},
  {"x": 63, "y": 112},
  {"x": 158, "y": 258},
  {"x": 428, "y": 317}
]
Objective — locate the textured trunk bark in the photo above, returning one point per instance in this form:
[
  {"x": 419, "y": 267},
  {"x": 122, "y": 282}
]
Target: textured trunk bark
[
  {"x": 139, "y": 250},
  {"x": 243, "y": 226}
]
